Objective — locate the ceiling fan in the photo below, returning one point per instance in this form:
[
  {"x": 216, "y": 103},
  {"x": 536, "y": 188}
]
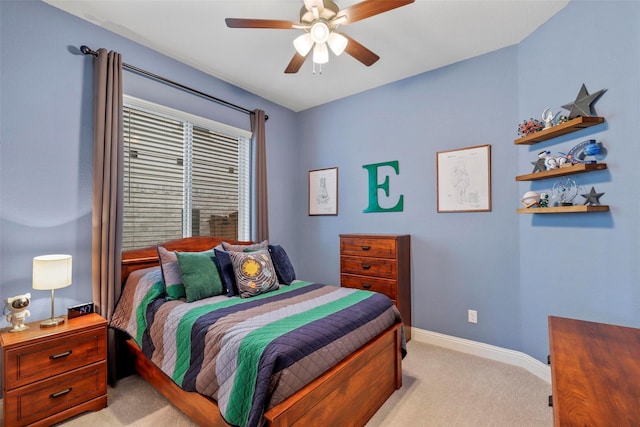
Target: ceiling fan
[{"x": 320, "y": 19}]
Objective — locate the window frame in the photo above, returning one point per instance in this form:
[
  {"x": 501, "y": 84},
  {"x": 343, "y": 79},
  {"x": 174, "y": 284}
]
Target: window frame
[{"x": 244, "y": 158}]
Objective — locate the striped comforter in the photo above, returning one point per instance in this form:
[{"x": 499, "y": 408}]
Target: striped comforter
[{"x": 249, "y": 354}]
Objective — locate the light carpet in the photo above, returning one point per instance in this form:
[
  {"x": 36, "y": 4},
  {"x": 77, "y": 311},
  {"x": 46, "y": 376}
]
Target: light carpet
[{"x": 440, "y": 387}]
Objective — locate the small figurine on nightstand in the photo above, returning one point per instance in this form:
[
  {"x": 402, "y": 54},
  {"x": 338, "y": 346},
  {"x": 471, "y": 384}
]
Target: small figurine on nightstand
[{"x": 18, "y": 306}]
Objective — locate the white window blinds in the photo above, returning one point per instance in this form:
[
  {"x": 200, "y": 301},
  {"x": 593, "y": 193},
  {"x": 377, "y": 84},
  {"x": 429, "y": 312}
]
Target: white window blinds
[{"x": 183, "y": 176}]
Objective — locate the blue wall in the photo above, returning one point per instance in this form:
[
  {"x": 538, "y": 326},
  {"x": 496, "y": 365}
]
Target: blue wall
[
  {"x": 46, "y": 140},
  {"x": 515, "y": 270},
  {"x": 584, "y": 266}
]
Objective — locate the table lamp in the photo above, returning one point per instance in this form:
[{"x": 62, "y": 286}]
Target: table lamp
[{"x": 51, "y": 272}]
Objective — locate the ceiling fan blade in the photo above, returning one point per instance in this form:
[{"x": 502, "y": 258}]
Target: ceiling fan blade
[
  {"x": 368, "y": 8},
  {"x": 261, "y": 23},
  {"x": 295, "y": 64},
  {"x": 360, "y": 52},
  {"x": 309, "y": 4}
]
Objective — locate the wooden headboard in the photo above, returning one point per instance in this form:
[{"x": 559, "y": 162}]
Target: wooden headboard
[{"x": 148, "y": 257}]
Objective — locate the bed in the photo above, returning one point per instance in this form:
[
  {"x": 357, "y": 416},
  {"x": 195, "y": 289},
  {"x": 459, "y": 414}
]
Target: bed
[{"x": 345, "y": 394}]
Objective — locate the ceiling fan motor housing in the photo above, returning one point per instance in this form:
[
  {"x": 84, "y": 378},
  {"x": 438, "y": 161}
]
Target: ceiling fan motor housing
[{"x": 329, "y": 12}]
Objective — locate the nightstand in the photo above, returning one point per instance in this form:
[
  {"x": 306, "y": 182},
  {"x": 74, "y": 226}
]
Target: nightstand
[{"x": 51, "y": 374}]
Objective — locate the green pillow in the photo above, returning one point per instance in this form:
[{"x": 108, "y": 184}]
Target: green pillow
[{"x": 199, "y": 275}]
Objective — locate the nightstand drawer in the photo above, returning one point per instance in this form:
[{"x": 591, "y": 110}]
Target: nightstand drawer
[
  {"x": 383, "y": 286},
  {"x": 378, "y": 267},
  {"x": 45, "y": 359},
  {"x": 40, "y": 400},
  {"x": 361, "y": 246}
]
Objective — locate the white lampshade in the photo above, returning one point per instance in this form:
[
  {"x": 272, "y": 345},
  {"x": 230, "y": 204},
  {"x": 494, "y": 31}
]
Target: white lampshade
[
  {"x": 320, "y": 53},
  {"x": 303, "y": 44},
  {"x": 337, "y": 43},
  {"x": 51, "y": 272},
  {"x": 319, "y": 32}
]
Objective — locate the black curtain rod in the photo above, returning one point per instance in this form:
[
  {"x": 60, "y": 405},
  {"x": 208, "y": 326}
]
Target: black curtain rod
[{"x": 87, "y": 51}]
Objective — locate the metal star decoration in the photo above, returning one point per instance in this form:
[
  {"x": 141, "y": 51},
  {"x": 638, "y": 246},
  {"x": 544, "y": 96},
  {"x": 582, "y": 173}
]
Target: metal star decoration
[
  {"x": 592, "y": 198},
  {"x": 538, "y": 166},
  {"x": 582, "y": 105}
]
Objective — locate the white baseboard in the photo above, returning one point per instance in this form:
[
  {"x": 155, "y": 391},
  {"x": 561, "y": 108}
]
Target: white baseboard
[{"x": 487, "y": 351}]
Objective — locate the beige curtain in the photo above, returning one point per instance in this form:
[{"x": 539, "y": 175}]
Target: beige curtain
[
  {"x": 107, "y": 190},
  {"x": 261, "y": 207}
]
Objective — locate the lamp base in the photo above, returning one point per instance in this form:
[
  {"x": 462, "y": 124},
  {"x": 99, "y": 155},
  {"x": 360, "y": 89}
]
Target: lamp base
[{"x": 54, "y": 321}]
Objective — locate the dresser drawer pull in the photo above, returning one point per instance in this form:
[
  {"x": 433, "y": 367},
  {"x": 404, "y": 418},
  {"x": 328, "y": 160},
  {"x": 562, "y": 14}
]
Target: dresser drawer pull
[
  {"x": 366, "y": 248},
  {"x": 60, "y": 393},
  {"x": 366, "y": 286},
  {"x": 60, "y": 355},
  {"x": 366, "y": 266}
]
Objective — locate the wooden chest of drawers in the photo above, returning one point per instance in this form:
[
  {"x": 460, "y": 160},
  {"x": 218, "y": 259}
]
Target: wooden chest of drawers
[
  {"x": 51, "y": 374},
  {"x": 380, "y": 263}
]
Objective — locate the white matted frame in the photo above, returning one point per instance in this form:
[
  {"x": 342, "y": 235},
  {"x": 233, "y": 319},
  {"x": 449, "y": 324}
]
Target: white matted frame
[
  {"x": 323, "y": 192},
  {"x": 464, "y": 179}
]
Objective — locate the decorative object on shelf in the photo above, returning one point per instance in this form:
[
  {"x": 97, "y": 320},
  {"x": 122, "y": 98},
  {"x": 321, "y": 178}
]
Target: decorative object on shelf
[
  {"x": 582, "y": 106},
  {"x": 51, "y": 272},
  {"x": 527, "y": 127},
  {"x": 547, "y": 162},
  {"x": 578, "y": 153},
  {"x": 562, "y": 119},
  {"x": 538, "y": 165},
  {"x": 592, "y": 198},
  {"x": 530, "y": 199},
  {"x": 547, "y": 117},
  {"x": 564, "y": 191},
  {"x": 544, "y": 200},
  {"x": 18, "y": 307}
]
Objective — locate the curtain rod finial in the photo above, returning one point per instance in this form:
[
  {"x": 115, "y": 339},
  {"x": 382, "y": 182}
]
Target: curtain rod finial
[{"x": 86, "y": 50}]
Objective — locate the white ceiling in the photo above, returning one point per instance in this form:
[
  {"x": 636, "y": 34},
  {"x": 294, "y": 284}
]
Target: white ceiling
[{"x": 410, "y": 40}]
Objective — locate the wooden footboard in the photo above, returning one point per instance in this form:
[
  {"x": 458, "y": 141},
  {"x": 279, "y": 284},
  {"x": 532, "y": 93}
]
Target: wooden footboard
[{"x": 349, "y": 394}]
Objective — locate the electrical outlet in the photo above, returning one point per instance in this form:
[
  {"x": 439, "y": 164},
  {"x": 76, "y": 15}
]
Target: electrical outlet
[{"x": 473, "y": 316}]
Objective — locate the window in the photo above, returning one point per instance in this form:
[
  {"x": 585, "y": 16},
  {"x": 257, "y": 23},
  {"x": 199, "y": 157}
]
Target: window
[{"x": 183, "y": 176}]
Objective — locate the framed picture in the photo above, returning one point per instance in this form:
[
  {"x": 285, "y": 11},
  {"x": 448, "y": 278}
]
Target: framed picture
[
  {"x": 323, "y": 191},
  {"x": 464, "y": 179}
]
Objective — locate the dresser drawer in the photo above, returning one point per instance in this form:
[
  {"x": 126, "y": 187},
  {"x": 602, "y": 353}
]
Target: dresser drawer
[
  {"x": 383, "y": 286},
  {"x": 37, "y": 401},
  {"x": 370, "y": 247},
  {"x": 30, "y": 363},
  {"x": 385, "y": 268}
]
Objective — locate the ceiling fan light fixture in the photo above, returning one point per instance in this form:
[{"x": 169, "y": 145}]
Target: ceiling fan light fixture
[
  {"x": 337, "y": 43},
  {"x": 303, "y": 44},
  {"x": 319, "y": 32},
  {"x": 320, "y": 53}
]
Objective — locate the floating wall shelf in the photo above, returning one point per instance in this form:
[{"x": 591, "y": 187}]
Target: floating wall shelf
[
  {"x": 565, "y": 209},
  {"x": 572, "y": 125},
  {"x": 569, "y": 170}
]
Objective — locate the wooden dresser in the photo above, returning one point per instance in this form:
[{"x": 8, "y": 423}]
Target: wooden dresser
[
  {"x": 380, "y": 263},
  {"x": 595, "y": 373},
  {"x": 51, "y": 374}
]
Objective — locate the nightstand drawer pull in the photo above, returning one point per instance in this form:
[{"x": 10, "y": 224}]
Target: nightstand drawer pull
[
  {"x": 60, "y": 355},
  {"x": 366, "y": 266},
  {"x": 60, "y": 393},
  {"x": 366, "y": 286},
  {"x": 366, "y": 248}
]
